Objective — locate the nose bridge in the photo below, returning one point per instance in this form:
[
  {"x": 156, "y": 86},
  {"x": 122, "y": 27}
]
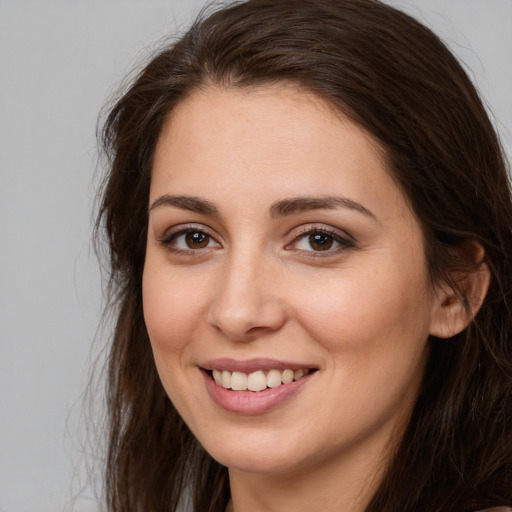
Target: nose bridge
[{"x": 246, "y": 303}]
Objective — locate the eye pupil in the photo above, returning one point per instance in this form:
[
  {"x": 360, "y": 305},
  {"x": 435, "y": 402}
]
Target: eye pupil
[
  {"x": 320, "y": 242},
  {"x": 196, "y": 240}
]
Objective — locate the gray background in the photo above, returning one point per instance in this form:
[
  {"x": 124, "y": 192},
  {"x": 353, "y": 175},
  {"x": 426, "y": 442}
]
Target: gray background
[{"x": 59, "y": 62}]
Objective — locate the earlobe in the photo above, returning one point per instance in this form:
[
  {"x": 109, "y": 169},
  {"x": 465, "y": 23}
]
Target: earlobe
[{"x": 456, "y": 304}]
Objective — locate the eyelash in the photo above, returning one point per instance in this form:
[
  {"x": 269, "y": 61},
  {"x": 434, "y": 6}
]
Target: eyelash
[
  {"x": 171, "y": 238},
  {"x": 344, "y": 242}
]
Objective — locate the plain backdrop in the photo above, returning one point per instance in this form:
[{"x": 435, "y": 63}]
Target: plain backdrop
[{"x": 60, "y": 60}]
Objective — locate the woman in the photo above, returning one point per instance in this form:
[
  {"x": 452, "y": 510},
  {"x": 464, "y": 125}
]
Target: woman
[{"x": 309, "y": 221}]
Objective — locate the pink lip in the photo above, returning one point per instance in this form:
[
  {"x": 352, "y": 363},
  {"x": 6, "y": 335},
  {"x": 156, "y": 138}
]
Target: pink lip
[{"x": 251, "y": 402}]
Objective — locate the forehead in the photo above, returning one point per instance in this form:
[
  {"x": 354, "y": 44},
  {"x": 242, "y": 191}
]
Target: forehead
[{"x": 258, "y": 142}]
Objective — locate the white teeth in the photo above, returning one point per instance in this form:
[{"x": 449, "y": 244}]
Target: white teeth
[
  {"x": 217, "y": 376},
  {"x": 239, "y": 381},
  {"x": 298, "y": 374},
  {"x": 273, "y": 378},
  {"x": 256, "y": 381},
  {"x": 226, "y": 379},
  {"x": 287, "y": 376}
]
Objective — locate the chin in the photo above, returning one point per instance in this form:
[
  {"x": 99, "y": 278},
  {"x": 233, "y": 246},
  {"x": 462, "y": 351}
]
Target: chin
[
  {"x": 258, "y": 464},
  {"x": 265, "y": 456}
]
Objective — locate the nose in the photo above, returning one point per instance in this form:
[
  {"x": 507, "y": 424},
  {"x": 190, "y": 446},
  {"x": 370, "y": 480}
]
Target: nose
[{"x": 246, "y": 304}]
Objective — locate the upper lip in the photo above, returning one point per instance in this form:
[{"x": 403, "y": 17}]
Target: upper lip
[{"x": 252, "y": 365}]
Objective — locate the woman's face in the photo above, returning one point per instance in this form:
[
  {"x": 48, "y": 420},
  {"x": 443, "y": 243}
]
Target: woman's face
[{"x": 279, "y": 245}]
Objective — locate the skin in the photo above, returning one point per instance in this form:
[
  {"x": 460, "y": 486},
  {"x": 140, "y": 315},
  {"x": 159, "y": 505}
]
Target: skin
[{"x": 360, "y": 312}]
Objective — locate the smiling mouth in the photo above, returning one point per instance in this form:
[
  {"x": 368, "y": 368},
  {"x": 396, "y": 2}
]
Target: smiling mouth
[{"x": 258, "y": 380}]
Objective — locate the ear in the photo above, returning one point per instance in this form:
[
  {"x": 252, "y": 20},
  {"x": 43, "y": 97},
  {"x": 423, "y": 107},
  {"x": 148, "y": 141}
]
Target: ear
[{"x": 457, "y": 303}]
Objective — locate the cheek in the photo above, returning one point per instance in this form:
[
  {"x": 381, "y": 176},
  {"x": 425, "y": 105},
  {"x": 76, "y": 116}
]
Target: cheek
[
  {"x": 367, "y": 314},
  {"x": 171, "y": 308},
  {"x": 374, "y": 337}
]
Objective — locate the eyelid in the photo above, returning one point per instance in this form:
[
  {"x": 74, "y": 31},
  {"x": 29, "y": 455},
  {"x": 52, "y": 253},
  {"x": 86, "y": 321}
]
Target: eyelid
[
  {"x": 182, "y": 229},
  {"x": 345, "y": 240}
]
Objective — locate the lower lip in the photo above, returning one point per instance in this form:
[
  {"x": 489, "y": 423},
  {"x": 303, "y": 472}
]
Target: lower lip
[{"x": 253, "y": 402}]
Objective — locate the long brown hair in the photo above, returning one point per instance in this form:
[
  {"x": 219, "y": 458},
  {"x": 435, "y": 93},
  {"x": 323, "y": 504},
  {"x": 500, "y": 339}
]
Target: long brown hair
[{"x": 397, "y": 80}]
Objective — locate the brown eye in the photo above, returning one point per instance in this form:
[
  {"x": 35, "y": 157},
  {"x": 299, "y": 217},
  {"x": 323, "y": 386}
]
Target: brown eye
[
  {"x": 196, "y": 240},
  {"x": 317, "y": 241},
  {"x": 190, "y": 239},
  {"x": 320, "y": 241}
]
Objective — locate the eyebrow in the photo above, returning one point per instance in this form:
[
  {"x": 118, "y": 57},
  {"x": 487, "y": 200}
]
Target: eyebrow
[
  {"x": 191, "y": 203},
  {"x": 281, "y": 208},
  {"x": 294, "y": 205}
]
